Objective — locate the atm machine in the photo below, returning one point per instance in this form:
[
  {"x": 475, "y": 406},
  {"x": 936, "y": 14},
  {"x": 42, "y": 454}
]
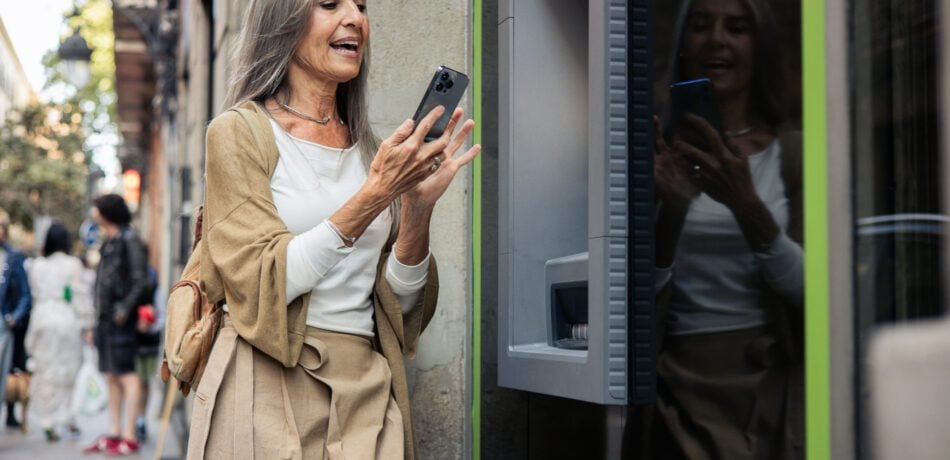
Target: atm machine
[{"x": 575, "y": 250}]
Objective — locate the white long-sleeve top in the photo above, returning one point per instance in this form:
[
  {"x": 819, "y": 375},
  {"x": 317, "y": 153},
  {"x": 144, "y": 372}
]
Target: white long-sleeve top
[
  {"x": 720, "y": 284},
  {"x": 310, "y": 183}
]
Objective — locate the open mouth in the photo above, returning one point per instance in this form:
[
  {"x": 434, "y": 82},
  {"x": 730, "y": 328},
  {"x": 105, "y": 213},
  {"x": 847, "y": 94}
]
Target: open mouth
[
  {"x": 346, "y": 46},
  {"x": 717, "y": 66}
]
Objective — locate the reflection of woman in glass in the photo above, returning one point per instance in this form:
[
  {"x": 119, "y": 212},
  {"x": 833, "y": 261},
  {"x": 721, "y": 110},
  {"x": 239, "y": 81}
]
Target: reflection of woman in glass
[{"x": 729, "y": 247}]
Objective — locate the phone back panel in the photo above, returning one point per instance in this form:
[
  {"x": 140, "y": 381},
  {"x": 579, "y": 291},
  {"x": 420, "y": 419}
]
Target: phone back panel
[
  {"x": 445, "y": 89},
  {"x": 695, "y": 97}
]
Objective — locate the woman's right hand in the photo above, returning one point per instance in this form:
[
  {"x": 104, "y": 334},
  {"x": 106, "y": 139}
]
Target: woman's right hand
[
  {"x": 673, "y": 187},
  {"x": 404, "y": 158}
]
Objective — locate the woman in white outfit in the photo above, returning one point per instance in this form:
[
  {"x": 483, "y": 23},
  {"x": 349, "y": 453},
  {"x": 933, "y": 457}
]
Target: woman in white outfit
[{"x": 54, "y": 337}]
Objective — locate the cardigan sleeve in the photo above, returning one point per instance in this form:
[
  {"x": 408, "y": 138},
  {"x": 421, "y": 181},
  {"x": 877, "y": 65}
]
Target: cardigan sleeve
[
  {"x": 246, "y": 241},
  {"x": 399, "y": 330}
]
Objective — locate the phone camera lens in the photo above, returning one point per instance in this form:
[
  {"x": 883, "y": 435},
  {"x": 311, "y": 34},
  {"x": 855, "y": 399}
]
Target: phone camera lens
[
  {"x": 439, "y": 86},
  {"x": 444, "y": 76},
  {"x": 449, "y": 84}
]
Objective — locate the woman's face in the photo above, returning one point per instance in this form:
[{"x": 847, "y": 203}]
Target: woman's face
[
  {"x": 717, "y": 44},
  {"x": 336, "y": 40}
]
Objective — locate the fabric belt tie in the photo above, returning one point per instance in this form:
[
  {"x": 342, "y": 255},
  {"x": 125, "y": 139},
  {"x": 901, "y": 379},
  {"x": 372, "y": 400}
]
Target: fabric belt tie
[
  {"x": 221, "y": 355},
  {"x": 229, "y": 349},
  {"x": 311, "y": 360}
]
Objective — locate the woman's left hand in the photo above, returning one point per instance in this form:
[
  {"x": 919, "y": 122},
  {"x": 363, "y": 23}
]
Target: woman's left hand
[
  {"x": 722, "y": 173},
  {"x": 428, "y": 191}
]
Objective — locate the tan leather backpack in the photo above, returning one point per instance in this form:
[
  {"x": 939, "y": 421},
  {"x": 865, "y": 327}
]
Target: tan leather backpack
[{"x": 192, "y": 321}]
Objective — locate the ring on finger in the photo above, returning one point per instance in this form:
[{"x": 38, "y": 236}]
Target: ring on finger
[
  {"x": 696, "y": 170},
  {"x": 435, "y": 165}
]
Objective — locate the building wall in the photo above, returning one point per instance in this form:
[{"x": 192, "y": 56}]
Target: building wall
[
  {"x": 410, "y": 40},
  {"x": 15, "y": 89},
  {"x": 405, "y": 53}
]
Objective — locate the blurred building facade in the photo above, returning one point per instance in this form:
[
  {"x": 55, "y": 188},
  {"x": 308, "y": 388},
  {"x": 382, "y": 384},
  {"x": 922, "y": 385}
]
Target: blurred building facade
[{"x": 15, "y": 89}]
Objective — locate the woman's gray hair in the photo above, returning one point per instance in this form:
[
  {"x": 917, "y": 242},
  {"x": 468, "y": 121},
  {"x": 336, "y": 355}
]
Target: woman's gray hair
[{"x": 267, "y": 45}]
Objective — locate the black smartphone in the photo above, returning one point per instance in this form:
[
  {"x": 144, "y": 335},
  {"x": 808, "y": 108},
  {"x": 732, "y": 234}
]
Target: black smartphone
[
  {"x": 445, "y": 89},
  {"x": 694, "y": 97}
]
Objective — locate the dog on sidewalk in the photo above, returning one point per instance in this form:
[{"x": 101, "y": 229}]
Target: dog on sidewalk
[{"x": 18, "y": 391}]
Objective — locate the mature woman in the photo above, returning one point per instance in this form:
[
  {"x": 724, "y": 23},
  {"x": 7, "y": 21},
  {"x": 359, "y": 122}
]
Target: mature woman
[
  {"x": 54, "y": 337},
  {"x": 729, "y": 248},
  {"x": 317, "y": 239}
]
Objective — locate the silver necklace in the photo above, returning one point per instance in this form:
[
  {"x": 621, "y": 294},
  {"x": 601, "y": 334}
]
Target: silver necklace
[
  {"x": 741, "y": 132},
  {"x": 322, "y": 121}
]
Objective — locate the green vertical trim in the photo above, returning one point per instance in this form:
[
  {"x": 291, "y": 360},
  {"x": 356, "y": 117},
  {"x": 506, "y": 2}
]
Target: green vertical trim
[
  {"x": 477, "y": 234},
  {"x": 817, "y": 377}
]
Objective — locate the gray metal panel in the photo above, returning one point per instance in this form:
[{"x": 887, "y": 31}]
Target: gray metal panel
[
  {"x": 609, "y": 205},
  {"x": 641, "y": 241},
  {"x": 841, "y": 229},
  {"x": 506, "y": 67},
  {"x": 608, "y": 120},
  {"x": 506, "y": 9},
  {"x": 608, "y": 288},
  {"x": 563, "y": 191},
  {"x": 505, "y": 103},
  {"x": 547, "y": 161}
]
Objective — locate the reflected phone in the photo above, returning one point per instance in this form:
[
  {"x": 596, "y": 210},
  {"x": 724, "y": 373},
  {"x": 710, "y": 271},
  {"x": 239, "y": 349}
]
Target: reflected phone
[
  {"x": 445, "y": 89},
  {"x": 695, "y": 97}
]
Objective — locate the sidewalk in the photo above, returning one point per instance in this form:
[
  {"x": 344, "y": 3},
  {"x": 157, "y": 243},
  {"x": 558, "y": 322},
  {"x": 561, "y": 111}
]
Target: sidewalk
[{"x": 15, "y": 445}]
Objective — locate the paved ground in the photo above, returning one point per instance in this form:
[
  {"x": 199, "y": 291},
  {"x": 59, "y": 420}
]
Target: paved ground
[{"x": 15, "y": 445}]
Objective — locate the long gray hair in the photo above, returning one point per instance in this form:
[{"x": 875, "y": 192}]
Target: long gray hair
[{"x": 267, "y": 45}]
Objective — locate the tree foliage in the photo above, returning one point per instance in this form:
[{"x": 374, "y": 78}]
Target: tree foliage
[
  {"x": 43, "y": 165},
  {"x": 45, "y": 153}
]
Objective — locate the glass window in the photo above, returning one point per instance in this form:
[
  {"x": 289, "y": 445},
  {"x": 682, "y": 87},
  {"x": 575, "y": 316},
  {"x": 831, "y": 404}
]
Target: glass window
[
  {"x": 895, "y": 163},
  {"x": 729, "y": 250}
]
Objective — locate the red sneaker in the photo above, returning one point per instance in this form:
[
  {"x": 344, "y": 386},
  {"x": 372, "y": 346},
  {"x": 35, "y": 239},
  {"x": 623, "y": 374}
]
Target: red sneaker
[
  {"x": 123, "y": 447},
  {"x": 101, "y": 444}
]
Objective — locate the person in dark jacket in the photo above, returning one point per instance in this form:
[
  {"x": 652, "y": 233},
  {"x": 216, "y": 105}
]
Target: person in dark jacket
[
  {"x": 15, "y": 302},
  {"x": 121, "y": 283}
]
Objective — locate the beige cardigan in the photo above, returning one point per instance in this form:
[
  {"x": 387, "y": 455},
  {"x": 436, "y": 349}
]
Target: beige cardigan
[{"x": 245, "y": 257}]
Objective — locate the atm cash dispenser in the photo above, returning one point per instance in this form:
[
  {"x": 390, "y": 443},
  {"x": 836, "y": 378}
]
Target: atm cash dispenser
[{"x": 575, "y": 201}]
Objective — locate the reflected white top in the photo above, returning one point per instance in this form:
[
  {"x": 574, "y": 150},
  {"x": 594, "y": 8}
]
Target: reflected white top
[{"x": 719, "y": 283}]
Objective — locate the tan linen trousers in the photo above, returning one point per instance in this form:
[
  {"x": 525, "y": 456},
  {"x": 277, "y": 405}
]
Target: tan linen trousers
[
  {"x": 335, "y": 404},
  {"x": 730, "y": 395}
]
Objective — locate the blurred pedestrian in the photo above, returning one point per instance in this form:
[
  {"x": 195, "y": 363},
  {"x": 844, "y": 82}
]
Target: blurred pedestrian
[
  {"x": 121, "y": 282},
  {"x": 146, "y": 356},
  {"x": 15, "y": 303},
  {"x": 54, "y": 340}
]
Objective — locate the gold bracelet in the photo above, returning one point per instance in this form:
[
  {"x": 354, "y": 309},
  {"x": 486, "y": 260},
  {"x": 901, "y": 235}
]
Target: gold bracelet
[{"x": 350, "y": 241}]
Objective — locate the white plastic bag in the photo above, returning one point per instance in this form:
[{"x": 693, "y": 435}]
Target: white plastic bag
[{"x": 89, "y": 395}]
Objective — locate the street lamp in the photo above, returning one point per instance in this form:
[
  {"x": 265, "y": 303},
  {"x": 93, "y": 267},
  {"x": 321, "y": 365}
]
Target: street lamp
[{"x": 74, "y": 55}]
